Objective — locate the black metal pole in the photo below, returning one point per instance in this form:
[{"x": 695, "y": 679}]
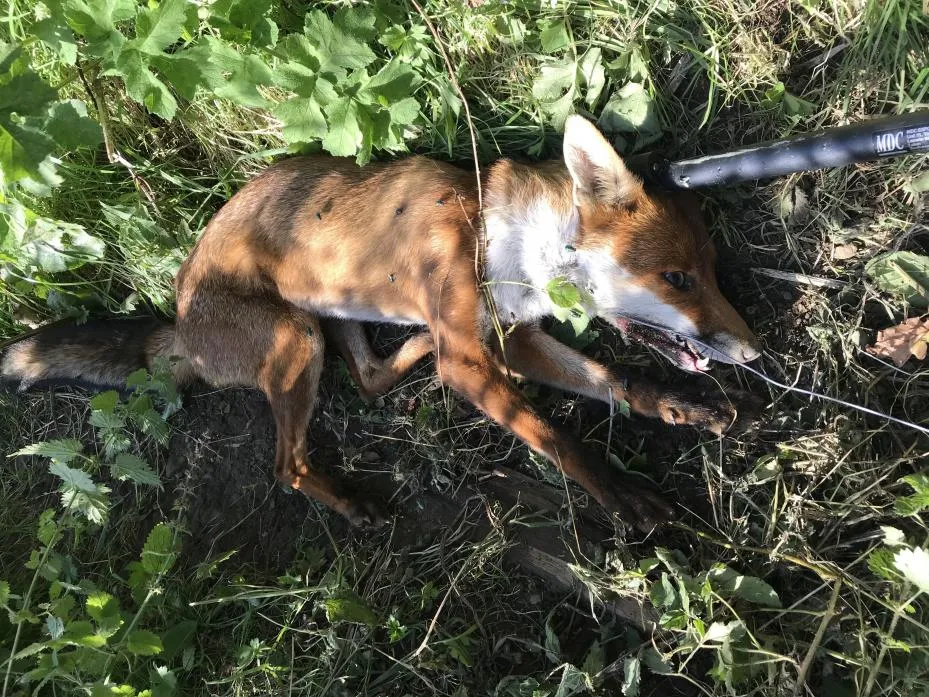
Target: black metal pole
[{"x": 833, "y": 147}]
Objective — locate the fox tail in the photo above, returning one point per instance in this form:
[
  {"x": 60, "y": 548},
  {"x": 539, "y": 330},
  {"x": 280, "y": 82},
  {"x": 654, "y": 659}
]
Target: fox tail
[{"x": 100, "y": 354}]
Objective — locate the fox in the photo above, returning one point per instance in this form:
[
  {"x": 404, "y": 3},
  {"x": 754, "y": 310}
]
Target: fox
[{"x": 314, "y": 247}]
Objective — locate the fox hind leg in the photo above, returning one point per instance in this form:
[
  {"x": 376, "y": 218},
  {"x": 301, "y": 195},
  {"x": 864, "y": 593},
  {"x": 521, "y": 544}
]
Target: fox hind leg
[
  {"x": 279, "y": 350},
  {"x": 375, "y": 376}
]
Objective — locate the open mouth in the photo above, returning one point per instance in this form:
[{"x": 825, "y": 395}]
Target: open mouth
[{"x": 676, "y": 348}]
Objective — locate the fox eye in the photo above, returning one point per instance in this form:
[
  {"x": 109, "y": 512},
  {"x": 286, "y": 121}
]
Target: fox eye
[{"x": 678, "y": 279}]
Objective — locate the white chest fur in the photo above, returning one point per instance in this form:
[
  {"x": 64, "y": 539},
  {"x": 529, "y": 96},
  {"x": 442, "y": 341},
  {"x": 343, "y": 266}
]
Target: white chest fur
[{"x": 528, "y": 246}]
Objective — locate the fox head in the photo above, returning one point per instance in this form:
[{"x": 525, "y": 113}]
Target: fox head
[{"x": 647, "y": 261}]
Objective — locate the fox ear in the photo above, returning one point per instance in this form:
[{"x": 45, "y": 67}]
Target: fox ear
[{"x": 598, "y": 172}]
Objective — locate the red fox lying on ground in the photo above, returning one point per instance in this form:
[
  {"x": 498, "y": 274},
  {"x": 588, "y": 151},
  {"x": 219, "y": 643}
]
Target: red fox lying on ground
[{"x": 314, "y": 246}]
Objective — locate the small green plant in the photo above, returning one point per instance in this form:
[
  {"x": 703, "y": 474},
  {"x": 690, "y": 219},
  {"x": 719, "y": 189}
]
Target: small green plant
[
  {"x": 569, "y": 303},
  {"x": 83, "y": 632}
]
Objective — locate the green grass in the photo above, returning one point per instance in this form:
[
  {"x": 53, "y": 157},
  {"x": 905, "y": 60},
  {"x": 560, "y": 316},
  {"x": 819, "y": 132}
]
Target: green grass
[{"x": 273, "y": 617}]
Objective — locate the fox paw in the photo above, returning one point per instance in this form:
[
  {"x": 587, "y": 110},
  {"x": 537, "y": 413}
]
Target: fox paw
[
  {"x": 363, "y": 512},
  {"x": 731, "y": 412},
  {"x": 632, "y": 499}
]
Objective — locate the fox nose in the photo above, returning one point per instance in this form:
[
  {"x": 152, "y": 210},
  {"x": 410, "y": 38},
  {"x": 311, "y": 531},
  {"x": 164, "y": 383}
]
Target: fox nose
[
  {"x": 749, "y": 353},
  {"x": 730, "y": 348}
]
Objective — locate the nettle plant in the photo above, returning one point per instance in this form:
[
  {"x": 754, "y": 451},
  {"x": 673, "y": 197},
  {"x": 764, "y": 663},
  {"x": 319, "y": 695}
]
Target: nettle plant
[
  {"x": 903, "y": 563},
  {"x": 351, "y": 82},
  {"x": 77, "y": 634}
]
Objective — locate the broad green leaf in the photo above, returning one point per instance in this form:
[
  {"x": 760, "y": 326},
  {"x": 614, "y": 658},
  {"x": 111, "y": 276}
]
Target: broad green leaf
[
  {"x": 728, "y": 582},
  {"x": 105, "y": 401},
  {"x": 903, "y": 274},
  {"x": 302, "y": 119},
  {"x": 393, "y": 82},
  {"x": 24, "y": 145},
  {"x": 104, "y": 610},
  {"x": 61, "y": 451},
  {"x": 563, "y": 293},
  {"x": 774, "y": 95},
  {"x": 881, "y": 563},
  {"x": 177, "y": 638},
  {"x": 404, "y": 112},
  {"x": 595, "y": 660},
  {"x": 918, "y": 501},
  {"x": 93, "y": 505},
  {"x": 146, "y": 418},
  {"x": 301, "y": 54},
  {"x": 348, "y": 607},
  {"x": 135, "y": 469},
  {"x": 344, "y": 136},
  {"x": 573, "y": 681},
  {"x": 142, "y": 642},
  {"x": 158, "y": 28},
  {"x": 160, "y": 550},
  {"x": 663, "y": 594},
  {"x": 655, "y": 662},
  {"x": 631, "y": 110},
  {"x": 409, "y": 44},
  {"x": 333, "y": 46},
  {"x": 96, "y": 20},
  {"x": 794, "y": 106},
  {"x": 632, "y": 676},
  {"x": 246, "y": 74},
  {"x": 913, "y": 564},
  {"x": 102, "y": 689},
  {"x": 554, "y": 80},
  {"x": 107, "y": 421},
  {"x": 592, "y": 73},
  {"x": 556, "y": 89},
  {"x": 358, "y": 21},
  {"x": 244, "y": 21},
  {"x": 251, "y": 15},
  {"x": 95, "y": 17},
  {"x": 82, "y": 633},
  {"x": 190, "y": 69},
  {"x": 4, "y": 592},
  {"x": 919, "y": 184},
  {"x": 766, "y": 469},
  {"x": 73, "y": 478},
  {"x": 142, "y": 85},
  {"x": 71, "y": 128},
  {"x": 164, "y": 682},
  {"x": 137, "y": 379},
  {"x": 54, "y": 245},
  {"x": 58, "y": 37},
  {"x": 553, "y": 35}
]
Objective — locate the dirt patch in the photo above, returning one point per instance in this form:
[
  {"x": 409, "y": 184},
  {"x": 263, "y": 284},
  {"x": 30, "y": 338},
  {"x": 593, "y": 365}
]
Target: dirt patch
[{"x": 221, "y": 457}]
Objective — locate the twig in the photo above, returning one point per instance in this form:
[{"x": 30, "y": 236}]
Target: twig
[
  {"x": 448, "y": 593},
  {"x": 802, "y": 278},
  {"x": 112, "y": 154},
  {"x": 819, "y": 568},
  {"x": 817, "y": 638},
  {"x": 875, "y": 669}
]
